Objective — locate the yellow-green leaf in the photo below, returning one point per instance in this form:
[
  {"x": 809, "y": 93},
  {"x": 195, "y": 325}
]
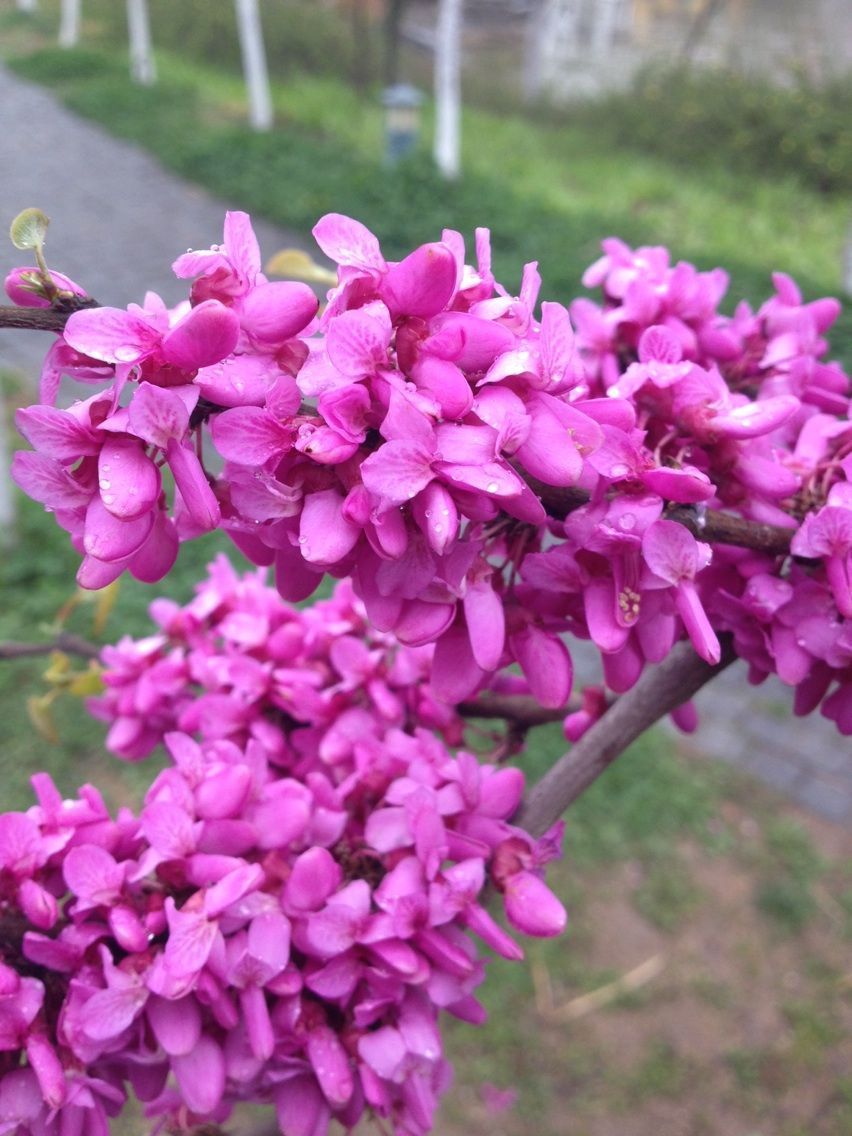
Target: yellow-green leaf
[
  {"x": 29, "y": 229},
  {"x": 88, "y": 682},
  {"x": 104, "y": 603},
  {"x": 294, "y": 264},
  {"x": 41, "y": 717}
]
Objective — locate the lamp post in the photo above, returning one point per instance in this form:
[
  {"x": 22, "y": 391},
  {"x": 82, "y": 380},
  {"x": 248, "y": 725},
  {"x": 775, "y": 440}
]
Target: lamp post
[{"x": 402, "y": 104}]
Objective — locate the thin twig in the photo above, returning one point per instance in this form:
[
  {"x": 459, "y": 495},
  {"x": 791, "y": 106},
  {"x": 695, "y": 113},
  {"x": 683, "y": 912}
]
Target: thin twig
[
  {"x": 69, "y": 644},
  {"x": 520, "y": 709},
  {"x": 658, "y": 691},
  {"x": 595, "y": 999}
]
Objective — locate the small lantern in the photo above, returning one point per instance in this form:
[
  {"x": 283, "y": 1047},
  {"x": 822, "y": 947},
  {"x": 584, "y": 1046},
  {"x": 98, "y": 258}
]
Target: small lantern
[{"x": 402, "y": 104}]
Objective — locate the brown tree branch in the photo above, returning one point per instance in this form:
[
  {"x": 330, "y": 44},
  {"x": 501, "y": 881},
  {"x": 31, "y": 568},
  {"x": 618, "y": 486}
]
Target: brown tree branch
[
  {"x": 660, "y": 690},
  {"x": 709, "y": 525},
  {"x": 43, "y": 319},
  {"x": 726, "y": 528},
  {"x": 519, "y": 709},
  {"x": 69, "y": 644}
]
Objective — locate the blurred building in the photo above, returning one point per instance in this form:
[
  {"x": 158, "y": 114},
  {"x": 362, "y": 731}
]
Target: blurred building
[{"x": 570, "y": 49}]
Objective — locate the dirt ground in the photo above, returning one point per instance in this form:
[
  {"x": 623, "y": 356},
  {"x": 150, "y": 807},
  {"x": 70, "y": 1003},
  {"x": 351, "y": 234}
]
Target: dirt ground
[{"x": 741, "y": 1020}]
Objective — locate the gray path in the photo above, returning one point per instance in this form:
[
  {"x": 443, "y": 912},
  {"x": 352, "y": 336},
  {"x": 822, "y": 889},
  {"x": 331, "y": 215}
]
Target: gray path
[{"x": 118, "y": 221}]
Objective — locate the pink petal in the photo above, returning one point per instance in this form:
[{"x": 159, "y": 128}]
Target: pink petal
[
  {"x": 200, "y": 1076},
  {"x": 357, "y": 341},
  {"x": 250, "y": 436},
  {"x": 157, "y": 414},
  {"x": 109, "y": 1012},
  {"x": 109, "y": 538},
  {"x": 191, "y": 481},
  {"x": 238, "y": 380},
  {"x": 57, "y": 433},
  {"x": 349, "y": 243},
  {"x": 546, "y": 664},
  {"x": 397, "y": 471},
  {"x": 483, "y": 610},
  {"x": 331, "y": 1065},
  {"x": 532, "y": 907},
  {"x": 422, "y": 284},
  {"x": 111, "y": 334},
  {"x": 47, "y": 482},
  {"x": 272, "y": 313},
  {"x": 207, "y": 334},
  {"x": 128, "y": 479},
  {"x": 301, "y": 1109},
  {"x": 325, "y": 535},
  {"x": 176, "y": 1024}
]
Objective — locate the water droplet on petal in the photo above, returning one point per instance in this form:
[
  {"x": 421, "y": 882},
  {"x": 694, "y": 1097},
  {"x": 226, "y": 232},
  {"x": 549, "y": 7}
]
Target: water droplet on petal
[
  {"x": 104, "y": 484},
  {"x": 627, "y": 522},
  {"x": 492, "y": 487},
  {"x": 107, "y": 498},
  {"x": 619, "y": 471}
]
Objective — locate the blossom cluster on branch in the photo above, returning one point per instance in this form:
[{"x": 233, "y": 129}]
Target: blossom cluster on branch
[
  {"x": 295, "y": 902},
  {"x": 297, "y": 899},
  {"x": 416, "y": 435}
]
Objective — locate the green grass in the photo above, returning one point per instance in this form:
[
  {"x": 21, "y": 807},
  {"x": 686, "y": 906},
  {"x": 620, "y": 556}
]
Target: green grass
[{"x": 549, "y": 190}]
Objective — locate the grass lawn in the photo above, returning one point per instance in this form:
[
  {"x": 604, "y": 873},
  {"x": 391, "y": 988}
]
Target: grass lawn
[{"x": 740, "y": 904}]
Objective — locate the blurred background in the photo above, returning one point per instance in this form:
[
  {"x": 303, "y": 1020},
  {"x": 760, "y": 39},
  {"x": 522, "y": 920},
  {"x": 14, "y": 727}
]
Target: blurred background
[{"x": 704, "y": 987}]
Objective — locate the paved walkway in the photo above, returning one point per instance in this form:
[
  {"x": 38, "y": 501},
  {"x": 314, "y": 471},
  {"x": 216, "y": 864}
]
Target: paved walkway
[{"x": 118, "y": 221}]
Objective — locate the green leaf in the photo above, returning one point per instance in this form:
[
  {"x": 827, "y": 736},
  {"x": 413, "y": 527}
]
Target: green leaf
[{"x": 29, "y": 229}]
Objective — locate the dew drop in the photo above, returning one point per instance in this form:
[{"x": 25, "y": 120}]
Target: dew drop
[
  {"x": 445, "y": 512},
  {"x": 627, "y": 522},
  {"x": 492, "y": 487},
  {"x": 428, "y": 513},
  {"x": 107, "y": 498},
  {"x": 105, "y": 468},
  {"x": 104, "y": 484},
  {"x": 619, "y": 471},
  {"x": 126, "y": 354},
  {"x": 437, "y": 529}
]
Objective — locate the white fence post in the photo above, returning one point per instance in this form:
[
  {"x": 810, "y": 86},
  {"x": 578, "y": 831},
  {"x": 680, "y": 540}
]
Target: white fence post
[
  {"x": 8, "y": 534},
  {"x": 447, "y": 149},
  {"x": 27, "y": 5},
  {"x": 254, "y": 64},
  {"x": 143, "y": 68},
  {"x": 69, "y": 26}
]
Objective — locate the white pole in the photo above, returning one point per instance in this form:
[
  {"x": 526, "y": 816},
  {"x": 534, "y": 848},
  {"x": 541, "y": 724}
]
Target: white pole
[
  {"x": 448, "y": 88},
  {"x": 27, "y": 5},
  {"x": 69, "y": 27},
  {"x": 254, "y": 64},
  {"x": 143, "y": 69},
  {"x": 8, "y": 535}
]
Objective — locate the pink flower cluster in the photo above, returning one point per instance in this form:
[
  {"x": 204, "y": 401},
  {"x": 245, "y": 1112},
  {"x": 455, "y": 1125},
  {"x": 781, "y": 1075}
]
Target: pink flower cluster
[
  {"x": 430, "y": 432},
  {"x": 279, "y": 927},
  {"x": 238, "y": 663},
  {"x": 747, "y": 400}
]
